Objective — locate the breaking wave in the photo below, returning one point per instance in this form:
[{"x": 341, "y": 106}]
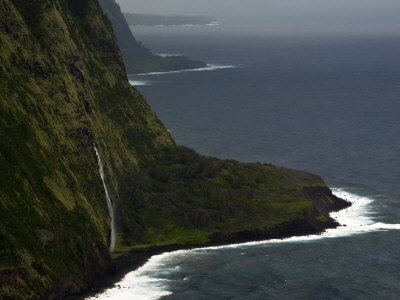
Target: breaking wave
[
  {"x": 140, "y": 82},
  {"x": 143, "y": 284},
  {"x": 209, "y": 67}
]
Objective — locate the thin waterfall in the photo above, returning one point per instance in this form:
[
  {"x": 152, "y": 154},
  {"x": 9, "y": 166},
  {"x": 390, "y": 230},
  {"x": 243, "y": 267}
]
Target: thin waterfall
[{"x": 109, "y": 201}]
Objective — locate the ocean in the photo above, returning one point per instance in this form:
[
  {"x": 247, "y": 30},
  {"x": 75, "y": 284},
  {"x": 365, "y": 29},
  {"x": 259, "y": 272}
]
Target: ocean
[{"x": 324, "y": 103}]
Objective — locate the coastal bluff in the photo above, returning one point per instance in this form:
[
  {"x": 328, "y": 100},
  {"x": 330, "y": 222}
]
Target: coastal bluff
[{"x": 64, "y": 89}]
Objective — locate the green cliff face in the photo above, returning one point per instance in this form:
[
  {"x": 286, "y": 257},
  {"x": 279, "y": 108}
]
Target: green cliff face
[
  {"x": 63, "y": 88},
  {"x": 137, "y": 58}
]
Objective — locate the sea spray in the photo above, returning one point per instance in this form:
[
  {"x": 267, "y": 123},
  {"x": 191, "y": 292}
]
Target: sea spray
[
  {"x": 145, "y": 282},
  {"x": 108, "y": 199}
]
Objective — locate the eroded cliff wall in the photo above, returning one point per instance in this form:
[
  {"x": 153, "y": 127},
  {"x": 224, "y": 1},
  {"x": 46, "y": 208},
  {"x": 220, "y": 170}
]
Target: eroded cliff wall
[{"x": 63, "y": 88}]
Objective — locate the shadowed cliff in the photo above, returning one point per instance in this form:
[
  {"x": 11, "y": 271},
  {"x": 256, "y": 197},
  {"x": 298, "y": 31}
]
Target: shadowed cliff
[{"x": 63, "y": 89}]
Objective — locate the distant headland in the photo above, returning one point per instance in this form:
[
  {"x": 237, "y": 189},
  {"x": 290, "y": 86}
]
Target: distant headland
[{"x": 168, "y": 20}]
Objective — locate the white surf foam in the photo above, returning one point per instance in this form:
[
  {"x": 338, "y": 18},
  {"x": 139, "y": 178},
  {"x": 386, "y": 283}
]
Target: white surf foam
[
  {"x": 356, "y": 219},
  {"x": 139, "y": 284},
  {"x": 216, "y": 23},
  {"x": 188, "y": 25},
  {"x": 168, "y": 55},
  {"x": 208, "y": 68},
  {"x": 140, "y": 82}
]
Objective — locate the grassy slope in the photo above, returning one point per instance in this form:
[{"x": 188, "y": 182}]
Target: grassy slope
[
  {"x": 185, "y": 198},
  {"x": 63, "y": 87}
]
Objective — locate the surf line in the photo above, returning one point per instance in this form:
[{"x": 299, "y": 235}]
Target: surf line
[
  {"x": 354, "y": 220},
  {"x": 108, "y": 199},
  {"x": 139, "y": 82},
  {"x": 209, "y": 67}
]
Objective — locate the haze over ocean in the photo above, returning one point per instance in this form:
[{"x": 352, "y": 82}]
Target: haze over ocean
[{"x": 327, "y": 103}]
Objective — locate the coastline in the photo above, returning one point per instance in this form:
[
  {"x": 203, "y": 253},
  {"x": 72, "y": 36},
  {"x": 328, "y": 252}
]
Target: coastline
[
  {"x": 137, "y": 258},
  {"x": 208, "y": 67}
]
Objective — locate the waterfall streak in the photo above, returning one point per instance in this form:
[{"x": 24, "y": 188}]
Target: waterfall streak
[
  {"x": 145, "y": 282},
  {"x": 109, "y": 201}
]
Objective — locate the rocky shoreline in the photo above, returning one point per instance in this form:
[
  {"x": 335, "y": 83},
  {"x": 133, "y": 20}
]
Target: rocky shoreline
[{"x": 137, "y": 258}]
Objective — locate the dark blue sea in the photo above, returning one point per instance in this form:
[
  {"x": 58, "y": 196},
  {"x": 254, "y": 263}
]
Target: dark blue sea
[{"x": 325, "y": 103}]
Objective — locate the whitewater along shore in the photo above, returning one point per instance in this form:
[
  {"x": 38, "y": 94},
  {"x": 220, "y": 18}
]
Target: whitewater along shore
[{"x": 132, "y": 260}]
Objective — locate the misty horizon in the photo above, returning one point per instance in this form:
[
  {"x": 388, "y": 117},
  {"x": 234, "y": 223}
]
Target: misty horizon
[{"x": 307, "y": 16}]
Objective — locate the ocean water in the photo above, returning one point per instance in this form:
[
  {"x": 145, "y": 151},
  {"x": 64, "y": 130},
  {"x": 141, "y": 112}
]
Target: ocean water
[{"x": 328, "y": 104}]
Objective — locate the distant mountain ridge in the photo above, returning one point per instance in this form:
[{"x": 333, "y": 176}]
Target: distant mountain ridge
[
  {"x": 138, "y": 58},
  {"x": 152, "y": 19}
]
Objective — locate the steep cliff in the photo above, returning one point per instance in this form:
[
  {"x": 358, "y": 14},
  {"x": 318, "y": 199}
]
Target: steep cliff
[
  {"x": 137, "y": 58},
  {"x": 63, "y": 89}
]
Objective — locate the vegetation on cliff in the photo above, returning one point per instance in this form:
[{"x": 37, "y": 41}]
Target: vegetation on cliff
[
  {"x": 185, "y": 198},
  {"x": 63, "y": 88},
  {"x": 137, "y": 58}
]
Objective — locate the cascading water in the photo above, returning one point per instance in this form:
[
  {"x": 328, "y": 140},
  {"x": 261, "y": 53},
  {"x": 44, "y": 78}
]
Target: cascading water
[{"x": 109, "y": 201}]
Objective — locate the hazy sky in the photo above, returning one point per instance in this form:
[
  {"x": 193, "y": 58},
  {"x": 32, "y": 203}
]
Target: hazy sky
[{"x": 379, "y": 15}]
